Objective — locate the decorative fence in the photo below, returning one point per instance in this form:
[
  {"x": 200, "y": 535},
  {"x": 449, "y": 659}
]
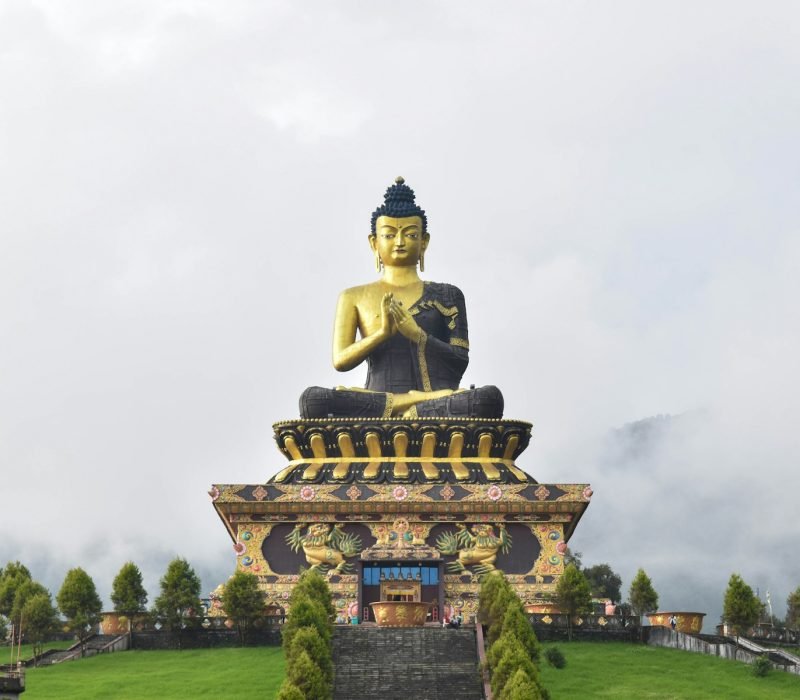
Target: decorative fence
[
  {"x": 775, "y": 635},
  {"x": 555, "y": 627},
  {"x": 206, "y": 633}
]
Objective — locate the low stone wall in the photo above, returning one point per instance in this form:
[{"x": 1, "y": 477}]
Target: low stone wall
[
  {"x": 718, "y": 646},
  {"x": 202, "y": 639},
  {"x": 665, "y": 637}
]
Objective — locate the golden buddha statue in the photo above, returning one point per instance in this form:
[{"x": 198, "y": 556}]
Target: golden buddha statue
[{"x": 413, "y": 334}]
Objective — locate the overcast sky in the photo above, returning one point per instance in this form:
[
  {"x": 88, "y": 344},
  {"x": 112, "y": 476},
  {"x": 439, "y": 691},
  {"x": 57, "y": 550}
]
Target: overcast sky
[{"x": 185, "y": 187}]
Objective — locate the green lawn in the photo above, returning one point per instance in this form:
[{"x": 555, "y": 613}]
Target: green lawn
[
  {"x": 134, "y": 675},
  {"x": 594, "y": 670},
  {"x": 631, "y": 671}
]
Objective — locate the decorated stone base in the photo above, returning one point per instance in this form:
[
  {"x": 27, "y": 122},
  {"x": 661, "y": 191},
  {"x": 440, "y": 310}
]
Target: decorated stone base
[{"x": 437, "y": 501}]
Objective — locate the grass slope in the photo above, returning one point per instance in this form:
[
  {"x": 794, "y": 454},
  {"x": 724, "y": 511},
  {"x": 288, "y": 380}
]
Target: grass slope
[
  {"x": 628, "y": 671},
  {"x": 26, "y": 650},
  {"x": 135, "y": 675}
]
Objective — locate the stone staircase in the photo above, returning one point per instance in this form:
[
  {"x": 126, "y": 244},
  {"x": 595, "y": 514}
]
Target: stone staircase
[
  {"x": 428, "y": 663},
  {"x": 96, "y": 644}
]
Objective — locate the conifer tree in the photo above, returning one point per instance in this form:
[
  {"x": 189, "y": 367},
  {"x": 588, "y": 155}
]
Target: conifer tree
[
  {"x": 80, "y": 604},
  {"x": 517, "y": 623},
  {"x": 179, "y": 603},
  {"x": 793, "y": 609},
  {"x": 289, "y": 691},
  {"x": 127, "y": 592},
  {"x": 520, "y": 687},
  {"x": 573, "y": 595},
  {"x": 308, "y": 677},
  {"x": 243, "y": 601},
  {"x": 11, "y": 577},
  {"x": 514, "y": 657},
  {"x": 40, "y": 621},
  {"x": 309, "y": 640},
  {"x": 741, "y": 607},
  {"x": 642, "y": 596},
  {"x": 27, "y": 589}
]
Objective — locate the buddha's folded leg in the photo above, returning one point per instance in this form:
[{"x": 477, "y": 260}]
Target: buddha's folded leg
[
  {"x": 484, "y": 402},
  {"x": 319, "y": 402}
]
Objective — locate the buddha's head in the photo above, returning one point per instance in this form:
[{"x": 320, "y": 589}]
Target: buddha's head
[{"x": 399, "y": 234}]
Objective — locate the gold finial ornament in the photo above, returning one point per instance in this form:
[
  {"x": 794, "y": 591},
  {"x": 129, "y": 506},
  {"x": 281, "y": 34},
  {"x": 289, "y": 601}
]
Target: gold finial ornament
[{"x": 399, "y": 179}]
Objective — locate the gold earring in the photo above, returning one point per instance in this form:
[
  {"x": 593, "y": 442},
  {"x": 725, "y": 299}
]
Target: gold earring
[
  {"x": 422, "y": 262},
  {"x": 378, "y": 263}
]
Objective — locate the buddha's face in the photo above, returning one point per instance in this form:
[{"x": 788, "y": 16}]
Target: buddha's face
[{"x": 399, "y": 241}]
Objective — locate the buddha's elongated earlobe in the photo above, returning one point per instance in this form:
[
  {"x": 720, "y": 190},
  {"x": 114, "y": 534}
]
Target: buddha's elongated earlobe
[
  {"x": 378, "y": 263},
  {"x": 422, "y": 262}
]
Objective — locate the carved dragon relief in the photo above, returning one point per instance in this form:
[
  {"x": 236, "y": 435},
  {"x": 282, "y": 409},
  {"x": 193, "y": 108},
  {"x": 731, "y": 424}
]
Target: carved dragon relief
[
  {"x": 325, "y": 547},
  {"x": 476, "y": 547}
]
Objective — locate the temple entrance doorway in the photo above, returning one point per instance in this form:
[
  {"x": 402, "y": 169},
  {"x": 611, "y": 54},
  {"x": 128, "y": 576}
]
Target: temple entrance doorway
[{"x": 409, "y": 581}]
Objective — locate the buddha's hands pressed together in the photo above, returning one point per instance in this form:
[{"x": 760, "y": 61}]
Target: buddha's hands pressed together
[
  {"x": 388, "y": 325},
  {"x": 405, "y": 321}
]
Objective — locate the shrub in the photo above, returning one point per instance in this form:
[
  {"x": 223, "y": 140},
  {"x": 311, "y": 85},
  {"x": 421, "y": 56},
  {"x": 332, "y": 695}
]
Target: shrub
[
  {"x": 761, "y": 666},
  {"x": 289, "y": 691},
  {"x": 520, "y": 687},
  {"x": 243, "y": 601},
  {"x": 497, "y": 610},
  {"x": 314, "y": 585},
  {"x": 491, "y": 586},
  {"x": 513, "y": 657},
  {"x": 306, "y": 612},
  {"x": 307, "y": 639},
  {"x": 555, "y": 657},
  {"x": 517, "y": 623},
  {"x": 308, "y": 677}
]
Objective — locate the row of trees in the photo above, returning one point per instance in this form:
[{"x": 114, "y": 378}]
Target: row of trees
[
  {"x": 28, "y": 606},
  {"x": 307, "y": 640},
  {"x": 605, "y": 583},
  {"x": 513, "y": 650},
  {"x": 741, "y": 606},
  {"x": 574, "y": 593}
]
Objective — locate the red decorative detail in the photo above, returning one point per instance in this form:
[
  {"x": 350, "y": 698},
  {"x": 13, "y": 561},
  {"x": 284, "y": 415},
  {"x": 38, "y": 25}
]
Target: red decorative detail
[
  {"x": 260, "y": 493},
  {"x": 542, "y": 493}
]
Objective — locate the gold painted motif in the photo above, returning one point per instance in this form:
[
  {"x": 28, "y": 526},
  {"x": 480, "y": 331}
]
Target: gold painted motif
[
  {"x": 423, "y": 363},
  {"x": 249, "y": 543},
  {"x": 551, "y": 538}
]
